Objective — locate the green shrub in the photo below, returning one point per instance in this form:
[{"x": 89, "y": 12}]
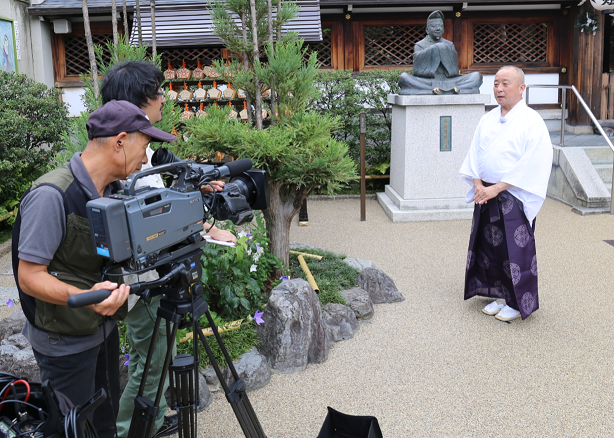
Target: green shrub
[
  {"x": 344, "y": 95},
  {"x": 237, "y": 280},
  {"x": 32, "y": 118}
]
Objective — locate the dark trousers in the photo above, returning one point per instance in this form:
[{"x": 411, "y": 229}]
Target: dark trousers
[{"x": 78, "y": 376}]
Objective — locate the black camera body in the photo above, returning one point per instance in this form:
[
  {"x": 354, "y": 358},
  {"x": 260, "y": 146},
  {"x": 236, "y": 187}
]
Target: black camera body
[{"x": 147, "y": 227}]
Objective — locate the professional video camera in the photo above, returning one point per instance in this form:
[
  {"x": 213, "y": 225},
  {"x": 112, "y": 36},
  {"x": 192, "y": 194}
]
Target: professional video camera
[{"x": 148, "y": 227}]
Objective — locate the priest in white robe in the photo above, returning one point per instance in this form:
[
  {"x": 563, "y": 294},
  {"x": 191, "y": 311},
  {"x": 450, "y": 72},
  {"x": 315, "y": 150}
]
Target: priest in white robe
[{"x": 507, "y": 168}]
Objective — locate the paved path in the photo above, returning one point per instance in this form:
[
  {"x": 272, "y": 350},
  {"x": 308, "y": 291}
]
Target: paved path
[{"x": 435, "y": 365}]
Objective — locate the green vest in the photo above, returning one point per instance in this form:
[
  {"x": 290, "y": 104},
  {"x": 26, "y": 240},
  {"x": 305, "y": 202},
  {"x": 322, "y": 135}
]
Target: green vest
[{"x": 75, "y": 262}]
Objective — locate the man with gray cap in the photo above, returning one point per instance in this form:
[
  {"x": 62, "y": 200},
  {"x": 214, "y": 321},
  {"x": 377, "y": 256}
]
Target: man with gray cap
[{"x": 53, "y": 258}]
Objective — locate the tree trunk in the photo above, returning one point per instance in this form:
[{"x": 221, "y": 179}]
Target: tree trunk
[
  {"x": 125, "y": 10},
  {"x": 270, "y": 17},
  {"x": 284, "y": 205},
  {"x": 258, "y": 103},
  {"x": 114, "y": 20},
  {"x": 153, "y": 27},
  {"x": 138, "y": 22},
  {"x": 246, "y": 62},
  {"x": 278, "y": 29},
  {"x": 90, "y": 47}
]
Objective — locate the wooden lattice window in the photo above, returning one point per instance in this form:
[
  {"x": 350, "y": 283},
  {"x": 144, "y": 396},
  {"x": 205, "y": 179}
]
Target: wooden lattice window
[
  {"x": 77, "y": 57},
  {"x": 191, "y": 55},
  {"x": 323, "y": 48},
  {"x": 391, "y": 45},
  {"x": 510, "y": 43}
]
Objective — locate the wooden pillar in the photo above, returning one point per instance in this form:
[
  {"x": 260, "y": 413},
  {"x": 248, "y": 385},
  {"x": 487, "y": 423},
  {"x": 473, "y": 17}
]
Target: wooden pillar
[{"x": 586, "y": 68}]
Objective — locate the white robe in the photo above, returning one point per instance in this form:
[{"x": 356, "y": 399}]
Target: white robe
[{"x": 515, "y": 149}]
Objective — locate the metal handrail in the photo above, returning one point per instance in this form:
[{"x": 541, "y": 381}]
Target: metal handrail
[{"x": 564, "y": 89}]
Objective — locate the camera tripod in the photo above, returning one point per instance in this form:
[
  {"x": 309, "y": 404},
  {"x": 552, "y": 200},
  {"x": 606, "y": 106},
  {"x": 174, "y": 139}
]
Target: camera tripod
[{"x": 183, "y": 306}]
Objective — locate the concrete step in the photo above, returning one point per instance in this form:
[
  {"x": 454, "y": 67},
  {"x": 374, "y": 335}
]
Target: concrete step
[
  {"x": 605, "y": 173},
  {"x": 599, "y": 154}
]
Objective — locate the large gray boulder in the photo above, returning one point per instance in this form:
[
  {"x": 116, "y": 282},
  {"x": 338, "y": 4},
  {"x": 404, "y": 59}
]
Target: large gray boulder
[
  {"x": 340, "y": 320},
  {"x": 380, "y": 286},
  {"x": 359, "y": 301},
  {"x": 293, "y": 333},
  {"x": 252, "y": 368}
]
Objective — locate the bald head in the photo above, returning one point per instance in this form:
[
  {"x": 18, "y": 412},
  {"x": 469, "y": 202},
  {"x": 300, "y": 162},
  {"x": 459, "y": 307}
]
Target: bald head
[
  {"x": 509, "y": 86},
  {"x": 513, "y": 72}
]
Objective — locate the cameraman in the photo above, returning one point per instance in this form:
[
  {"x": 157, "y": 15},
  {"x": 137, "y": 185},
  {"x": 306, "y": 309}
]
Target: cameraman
[
  {"x": 53, "y": 258},
  {"x": 139, "y": 82}
]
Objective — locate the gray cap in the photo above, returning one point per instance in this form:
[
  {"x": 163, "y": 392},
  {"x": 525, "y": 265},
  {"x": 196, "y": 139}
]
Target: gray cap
[
  {"x": 434, "y": 15},
  {"x": 117, "y": 116}
]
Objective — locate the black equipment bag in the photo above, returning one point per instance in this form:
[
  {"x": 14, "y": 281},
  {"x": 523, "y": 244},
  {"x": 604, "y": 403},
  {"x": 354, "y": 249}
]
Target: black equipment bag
[{"x": 338, "y": 425}]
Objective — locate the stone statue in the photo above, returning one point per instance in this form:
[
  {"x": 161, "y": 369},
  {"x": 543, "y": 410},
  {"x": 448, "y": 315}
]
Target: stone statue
[{"x": 436, "y": 65}]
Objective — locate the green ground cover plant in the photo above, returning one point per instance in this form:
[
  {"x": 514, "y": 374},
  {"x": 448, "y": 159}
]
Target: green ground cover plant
[{"x": 331, "y": 274}]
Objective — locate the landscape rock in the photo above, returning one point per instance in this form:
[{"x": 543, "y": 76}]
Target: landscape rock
[
  {"x": 380, "y": 286},
  {"x": 340, "y": 320},
  {"x": 252, "y": 368},
  {"x": 359, "y": 301},
  {"x": 211, "y": 378},
  {"x": 293, "y": 333},
  {"x": 123, "y": 373},
  {"x": 16, "y": 355},
  {"x": 12, "y": 325},
  {"x": 359, "y": 264}
]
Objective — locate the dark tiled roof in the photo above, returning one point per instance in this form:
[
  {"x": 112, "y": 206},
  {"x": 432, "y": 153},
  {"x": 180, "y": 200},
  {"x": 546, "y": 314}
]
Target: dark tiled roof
[{"x": 64, "y": 7}]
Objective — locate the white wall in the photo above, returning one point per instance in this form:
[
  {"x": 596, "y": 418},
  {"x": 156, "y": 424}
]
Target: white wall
[{"x": 537, "y": 95}]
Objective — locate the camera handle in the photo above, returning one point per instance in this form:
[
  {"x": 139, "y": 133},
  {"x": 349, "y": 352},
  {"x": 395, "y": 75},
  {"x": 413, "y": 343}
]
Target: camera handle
[{"x": 180, "y": 168}]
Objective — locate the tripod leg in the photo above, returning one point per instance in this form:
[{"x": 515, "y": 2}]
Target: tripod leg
[
  {"x": 146, "y": 411},
  {"x": 235, "y": 393}
]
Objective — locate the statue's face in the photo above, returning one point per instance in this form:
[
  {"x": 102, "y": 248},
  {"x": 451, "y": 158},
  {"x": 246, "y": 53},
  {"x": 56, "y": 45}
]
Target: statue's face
[{"x": 434, "y": 28}]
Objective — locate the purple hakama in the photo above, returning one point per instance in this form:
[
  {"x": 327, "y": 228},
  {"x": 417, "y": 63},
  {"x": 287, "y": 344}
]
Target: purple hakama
[{"x": 501, "y": 261}]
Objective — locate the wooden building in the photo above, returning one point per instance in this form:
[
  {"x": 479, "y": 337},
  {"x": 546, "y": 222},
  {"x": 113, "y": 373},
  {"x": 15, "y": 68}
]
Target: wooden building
[{"x": 539, "y": 36}]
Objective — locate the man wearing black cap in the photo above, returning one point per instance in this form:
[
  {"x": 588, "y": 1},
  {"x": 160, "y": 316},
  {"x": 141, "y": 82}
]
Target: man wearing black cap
[{"x": 53, "y": 258}]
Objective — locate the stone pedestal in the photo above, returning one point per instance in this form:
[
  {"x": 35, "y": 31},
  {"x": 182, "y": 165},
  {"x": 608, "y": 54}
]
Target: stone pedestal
[{"x": 424, "y": 181}]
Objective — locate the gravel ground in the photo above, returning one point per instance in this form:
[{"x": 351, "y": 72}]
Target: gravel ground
[{"x": 435, "y": 365}]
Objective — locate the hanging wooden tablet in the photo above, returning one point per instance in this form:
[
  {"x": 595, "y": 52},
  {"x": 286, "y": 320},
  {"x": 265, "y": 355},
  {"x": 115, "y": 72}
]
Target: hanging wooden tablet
[
  {"x": 187, "y": 113},
  {"x": 230, "y": 93},
  {"x": 241, "y": 94},
  {"x": 266, "y": 94},
  {"x": 170, "y": 73},
  {"x": 198, "y": 72},
  {"x": 233, "y": 114},
  {"x": 186, "y": 94},
  {"x": 170, "y": 93},
  {"x": 243, "y": 114},
  {"x": 200, "y": 93},
  {"x": 214, "y": 93},
  {"x": 201, "y": 112},
  {"x": 183, "y": 72}
]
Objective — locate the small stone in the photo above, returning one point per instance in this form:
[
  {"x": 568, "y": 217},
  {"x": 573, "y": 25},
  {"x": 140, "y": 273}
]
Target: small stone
[
  {"x": 359, "y": 264},
  {"x": 341, "y": 321},
  {"x": 359, "y": 301},
  {"x": 252, "y": 368},
  {"x": 380, "y": 286},
  {"x": 8, "y": 349}
]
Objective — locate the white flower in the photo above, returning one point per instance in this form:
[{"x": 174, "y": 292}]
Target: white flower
[
  {"x": 242, "y": 234},
  {"x": 253, "y": 268},
  {"x": 256, "y": 257}
]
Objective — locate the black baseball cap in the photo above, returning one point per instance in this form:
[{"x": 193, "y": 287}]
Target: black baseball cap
[{"x": 118, "y": 116}]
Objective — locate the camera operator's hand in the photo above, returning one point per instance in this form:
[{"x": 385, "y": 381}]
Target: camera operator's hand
[
  {"x": 109, "y": 306},
  {"x": 217, "y": 185},
  {"x": 221, "y": 235}
]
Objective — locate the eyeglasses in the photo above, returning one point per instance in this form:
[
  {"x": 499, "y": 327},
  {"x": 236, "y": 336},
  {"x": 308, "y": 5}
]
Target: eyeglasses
[{"x": 158, "y": 95}]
